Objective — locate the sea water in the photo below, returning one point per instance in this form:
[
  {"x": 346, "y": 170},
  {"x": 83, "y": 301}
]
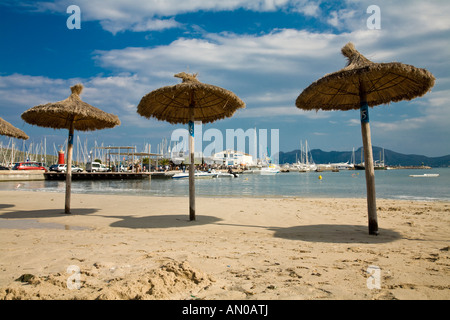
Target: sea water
[{"x": 389, "y": 184}]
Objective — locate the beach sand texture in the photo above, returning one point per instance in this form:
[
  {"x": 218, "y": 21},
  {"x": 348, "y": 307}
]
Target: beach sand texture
[{"x": 130, "y": 247}]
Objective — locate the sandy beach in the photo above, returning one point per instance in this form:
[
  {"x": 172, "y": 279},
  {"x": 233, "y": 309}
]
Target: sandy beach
[{"x": 130, "y": 247}]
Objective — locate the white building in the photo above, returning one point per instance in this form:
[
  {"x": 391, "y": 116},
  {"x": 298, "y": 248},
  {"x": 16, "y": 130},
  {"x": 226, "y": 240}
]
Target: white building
[{"x": 233, "y": 158}]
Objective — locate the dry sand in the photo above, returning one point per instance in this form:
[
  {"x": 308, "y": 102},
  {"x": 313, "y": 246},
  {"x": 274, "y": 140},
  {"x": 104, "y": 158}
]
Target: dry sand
[{"x": 130, "y": 247}]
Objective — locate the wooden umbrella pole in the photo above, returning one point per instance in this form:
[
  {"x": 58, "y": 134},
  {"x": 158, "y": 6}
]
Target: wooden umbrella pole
[
  {"x": 191, "y": 166},
  {"x": 69, "y": 168},
  {"x": 368, "y": 164}
]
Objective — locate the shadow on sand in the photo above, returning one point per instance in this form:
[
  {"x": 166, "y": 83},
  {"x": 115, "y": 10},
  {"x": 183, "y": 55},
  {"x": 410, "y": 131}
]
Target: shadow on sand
[
  {"x": 327, "y": 233},
  {"x": 162, "y": 221},
  {"x": 45, "y": 213},
  {"x": 27, "y": 219},
  {"x": 335, "y": 233},
  {"x": 5, "y": 206}
]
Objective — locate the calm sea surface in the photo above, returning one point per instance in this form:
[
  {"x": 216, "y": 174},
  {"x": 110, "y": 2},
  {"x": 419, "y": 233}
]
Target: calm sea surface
[{"x": 390, "y": 184}]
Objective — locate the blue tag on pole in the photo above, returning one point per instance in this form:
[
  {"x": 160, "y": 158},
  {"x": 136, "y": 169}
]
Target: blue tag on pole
[
  {"x": 364, "y": 110},
  {"x": 70, "y": 139},
  {"x": 191, "y": 128}
]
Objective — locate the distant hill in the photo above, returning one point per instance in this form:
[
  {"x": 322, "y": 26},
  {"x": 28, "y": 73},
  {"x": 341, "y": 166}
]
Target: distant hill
[{"x": 391, "y": 158}]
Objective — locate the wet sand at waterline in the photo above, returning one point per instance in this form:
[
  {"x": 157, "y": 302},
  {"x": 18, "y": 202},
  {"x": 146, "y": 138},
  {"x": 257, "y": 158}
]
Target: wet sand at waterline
[{"x": 128, "y": 247}]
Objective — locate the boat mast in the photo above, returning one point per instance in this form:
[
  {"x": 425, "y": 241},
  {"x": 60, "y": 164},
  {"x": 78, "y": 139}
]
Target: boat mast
[
  {"x": 353, "y": 156},
  {"x": 306, "y": 152},
  {"x": 301, "y": 152}
]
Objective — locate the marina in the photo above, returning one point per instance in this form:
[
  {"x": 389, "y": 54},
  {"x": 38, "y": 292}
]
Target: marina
[{"x": 98, "y": 175}]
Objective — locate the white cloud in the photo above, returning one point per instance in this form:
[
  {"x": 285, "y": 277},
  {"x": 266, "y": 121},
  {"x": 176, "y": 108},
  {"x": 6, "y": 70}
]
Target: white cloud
[
  {"x": 341, "y": 19},
  {"x": 401, "y": 17},
  {"x": 120, "y": 9},
  {"x": 262, "y": 58},
  {"x": 400, "y": 125},
  {"x": 423, "y": 16},
  {"x": 115, "y": 94},
  {"x": 353, "y": 122},
  {"x": 333, "y": 19},
  {"x": 427, "y": 116},
  {"x": 119, "y": 95},
  {"x": 26, "y": 91},
  {"x": 144, "y": 25},
  {"x": 308, "y": 8},
  {"x": 148, "y": 15}
]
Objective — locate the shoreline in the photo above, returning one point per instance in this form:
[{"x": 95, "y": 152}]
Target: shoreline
[
  {"x": 259, "y": 248},
  {"x": 231, "y": 196}
]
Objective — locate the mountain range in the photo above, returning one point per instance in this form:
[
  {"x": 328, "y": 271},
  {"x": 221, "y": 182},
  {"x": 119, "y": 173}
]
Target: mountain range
[{"x": 391, "y": 158}]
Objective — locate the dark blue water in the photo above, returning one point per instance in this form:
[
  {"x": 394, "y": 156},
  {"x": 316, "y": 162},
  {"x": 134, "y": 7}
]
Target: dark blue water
[{"x": 390, "y": 184}]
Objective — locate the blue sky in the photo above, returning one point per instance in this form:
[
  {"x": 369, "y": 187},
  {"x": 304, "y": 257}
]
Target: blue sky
[{"x": 266, "y": 52}]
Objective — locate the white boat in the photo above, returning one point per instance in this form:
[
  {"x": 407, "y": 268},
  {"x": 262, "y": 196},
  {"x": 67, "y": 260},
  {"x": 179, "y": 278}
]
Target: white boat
[
  {"x": 343, "y": 166},
  {"x": 307, "y": 167},
  {"x": 197, "y": 175},
  {"x": 225, "y": 174},
  {"x": 426, "y": 175},
  {"x": 303, "y": 167},
  {"x": 269, "y": 170},
  {"x": 252, "y": 171}
]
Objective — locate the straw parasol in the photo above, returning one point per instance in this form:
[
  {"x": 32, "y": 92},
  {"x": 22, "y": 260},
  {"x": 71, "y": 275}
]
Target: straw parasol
[
  {"x": 187, "y": 102},
  {"x": 72, "y": 114},
  {"x": 363, "y": 83},
  {"x": 7, "y": 129}
]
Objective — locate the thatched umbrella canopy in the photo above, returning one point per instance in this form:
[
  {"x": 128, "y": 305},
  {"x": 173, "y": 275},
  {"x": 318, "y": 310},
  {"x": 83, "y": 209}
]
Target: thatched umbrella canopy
[
  {"x": 174, "y": 103},
  {"x": 7, "y": 129},
  {"x": 187, "y": 102},
  {"x": 72, "y": 114},
  {"x": 383, "y": 83},
  {"x": 73, "y": 110},
  {"x": 363, "y": 83}
]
